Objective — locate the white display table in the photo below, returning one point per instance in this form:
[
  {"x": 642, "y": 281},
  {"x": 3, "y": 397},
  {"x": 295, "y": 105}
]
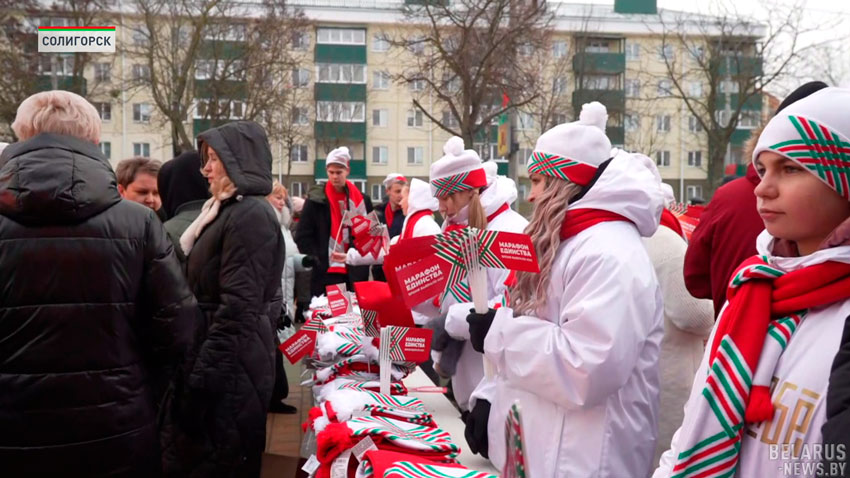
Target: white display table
[{"x": 448, "y": 419}]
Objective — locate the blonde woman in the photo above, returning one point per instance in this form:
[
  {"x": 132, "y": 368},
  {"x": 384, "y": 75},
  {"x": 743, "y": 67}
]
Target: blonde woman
[{"x": 579, "y": 349}]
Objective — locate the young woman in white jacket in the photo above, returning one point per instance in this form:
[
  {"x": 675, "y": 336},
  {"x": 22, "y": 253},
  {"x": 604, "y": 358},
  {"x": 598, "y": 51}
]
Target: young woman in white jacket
[
  {"x": 579, "y": 349},
  {"x": 470, "y": 193},
  {"x": 771, "y": 395}
]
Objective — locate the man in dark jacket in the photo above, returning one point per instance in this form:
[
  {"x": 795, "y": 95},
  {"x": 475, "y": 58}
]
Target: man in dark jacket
[
  {"x": 390, "y": 213},
  {"x": 314, "y": 233},
  {"x": 183, "y": 190},
  {"x": 94, "y": 310},
  {"x": 218, "y": 423}
]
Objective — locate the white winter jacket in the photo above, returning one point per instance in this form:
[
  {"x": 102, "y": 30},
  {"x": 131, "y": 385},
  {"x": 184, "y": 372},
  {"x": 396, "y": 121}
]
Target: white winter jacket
[{"x": 584, "y": 368}]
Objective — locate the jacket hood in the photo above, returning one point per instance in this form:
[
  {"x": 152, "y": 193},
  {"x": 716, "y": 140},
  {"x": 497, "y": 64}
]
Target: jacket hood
[
  {"x": 180, "y": 181},
  {"x": 244, "y": 149},
  {"x": 501, "y": 191},
  {"x": 631, "y": 187},
  {"x": 420, "y": 198},
  {"x": 317, "y": 193},
  {"x": 53, "y": 179}
]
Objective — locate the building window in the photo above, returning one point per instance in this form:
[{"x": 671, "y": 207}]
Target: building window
[
  {"x": 596, "y": 46},
  {"x": 599, "y": 82},
  {"x": 380, "y": 154},
  {"x": 106, "y": 149},
  {"x": 341, "y": 36},
  {"x": 380, "y": 42},
  {"x": 693, "y": 192},
  {"x": 141, "y": 36},
  {"x": 377, "y": 192},
  {"x": 695, "y": 89},
  {"x": 662, "y": 159},
  {"x": 142, "y": 113},
  {"x": 665, "y": 52},
  {"x": 522, "y": 189},
  {"x": 102, "y": 72},
  {"x": 296, "y": 189},
  {"x": 722, "y": 117},
  {"x": 380, "y": 80},
  {"x": 340, "y": 111},
  {"x": 632, "y": 50},
  {"x": 341, "y": 73},
  {"x": 526, "y": 49},
  {"x": 631, "y": 122},
  {"x": 449, "y": 120},
  {"x": 523, "y": 154},
  {"x": 141, "y": 72},
  {"x": 105, "y": 110},
  {"x": 559, "y": 48},
  {"x": 632, "y": 88},
  {"x": 749, "y": 119},
  {"x": 300, "y": 116},
  {"x": 237, "y": 109},
  {"x": 142, "y": 149},
  {"x": 662, "y": 123},
  {"x": 665, "y": 88},
  {"x": 380, "y": 117},
  {"x": 414, "y": 155},
  {"x": 486, "y": 150},
  {"x": 558, "y": 118},
  {"x": 415, "y": 118},
  {"x": 559, "y": 85},
  {"x": 299, "y": 153},
  {"x": 300, "y": 77},
  {"x": 695, "y": 158},
  {"x": 300, "y": 40},
  {"x": 416, "y": 45},
  {"x": 416, "y": 85},
  {"x": 525, "y": 121},
  {"x": 694, "y": 126},
  {"x": 731, "y": 86}
]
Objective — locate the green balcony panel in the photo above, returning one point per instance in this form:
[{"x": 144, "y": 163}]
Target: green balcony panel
[
  {"x": 221, "y": 49},
  {"x": 753, "y": 103},
  {"x": 599, "y": 62},
  {"x": 67, "y": 83},
  {"x": 353, "y": 54},
  {"x": 616, "y": 134},
  {"x": 358, "y": 169},
  {"x": 340, "y": 92},
  {"x": 481, "y": 135},
  {"x": 636, "y": 6},
  {"x": 740, "y": 136},
  {"x": 221, "y": 89},
  {"x": 341, "y": 131},
  {"x": 614, "y": 100},
  {"x": 744, "y": 66},
  {"x": 201, "y": 125},
  {"x": 502, "y": 167}
]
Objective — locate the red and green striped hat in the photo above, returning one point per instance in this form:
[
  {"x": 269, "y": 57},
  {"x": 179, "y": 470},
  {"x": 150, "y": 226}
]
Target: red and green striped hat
[
  {"x": 573, "y": 151},
  {"x": 814, "y": 132},
  {"x": 459, "y": 170}
]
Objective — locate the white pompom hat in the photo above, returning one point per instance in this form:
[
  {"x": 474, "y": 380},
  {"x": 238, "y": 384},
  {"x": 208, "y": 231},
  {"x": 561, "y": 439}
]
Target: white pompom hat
[
  {"x": 393, "y": 177},
  {"x": 573, "y": 151},
  {"x": 459, "y": 170},
  {"x": 338, "y": 156}
]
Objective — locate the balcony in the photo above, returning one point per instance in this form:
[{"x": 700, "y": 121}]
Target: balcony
[
  {"x": 614, "y": 100},
  {"x": 616, "y": 134},
  {"x": 753, "y": 103},
  {"x": 740, "y": 66},
  {"x": 599, "y": 62},
  {"x": 232, "y": 89},
  {"x": 352, "y": 54},
  {"x": 341, "y": 131},
  {"x": 68, "y": 83},
  {"x": 221, "y": 49},
  {"x": 358, "y": 169},
  {"x": 340, "y": 92}
]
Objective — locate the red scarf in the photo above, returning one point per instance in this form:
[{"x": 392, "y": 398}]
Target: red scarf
[
  {"x": 388, "y": 214},
  {"x": 407, "y": 233},
  {"x": 353, "y": 201},
  {"x": 669, "y": 220},
  {"x": 577, "y": 220}
]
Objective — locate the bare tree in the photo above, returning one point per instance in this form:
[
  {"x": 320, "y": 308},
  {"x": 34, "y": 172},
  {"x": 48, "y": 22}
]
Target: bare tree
[
  {"x": 470, "y": 53},
  {"x": 733, "y": 60},
  {"x": 214, "y": 59}
]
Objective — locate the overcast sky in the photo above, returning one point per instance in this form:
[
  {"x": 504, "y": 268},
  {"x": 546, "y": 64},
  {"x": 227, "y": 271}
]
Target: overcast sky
[{"x": 830, "y": 20}]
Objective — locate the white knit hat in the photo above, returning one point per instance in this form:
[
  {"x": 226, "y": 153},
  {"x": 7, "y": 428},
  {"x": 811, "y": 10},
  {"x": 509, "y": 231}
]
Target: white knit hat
[
  {"x": 814, "y": 132},
  {"x": 459, "y": 170},
  {"x": 338, "y": 156},
  {"x": 573, "y": 151},
  {"x": 393, "y": 177}
]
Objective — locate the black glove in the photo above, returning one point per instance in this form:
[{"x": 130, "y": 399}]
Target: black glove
[
  {"x": 479, "y": 325},
  {"x": 286, "y": 322},
  {"x": 476, "y": 428},
  {"x": 310, "y": 261}
]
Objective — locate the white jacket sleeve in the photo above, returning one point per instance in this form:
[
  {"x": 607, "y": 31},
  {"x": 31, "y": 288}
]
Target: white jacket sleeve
[
  {"x": 607, "y": 311},
  {"x": 355, "y": 259},
  {"x": 456, "y": 324}
]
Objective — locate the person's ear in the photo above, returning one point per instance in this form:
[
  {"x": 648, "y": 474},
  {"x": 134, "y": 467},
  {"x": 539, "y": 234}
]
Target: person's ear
[{"x": 121, "y": 190}]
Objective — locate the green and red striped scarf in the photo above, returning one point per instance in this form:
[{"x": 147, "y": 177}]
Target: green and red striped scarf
[{"x": 766, "y": 306}]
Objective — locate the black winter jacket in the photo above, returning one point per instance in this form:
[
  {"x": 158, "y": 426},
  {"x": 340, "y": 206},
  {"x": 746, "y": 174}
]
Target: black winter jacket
[
  {"x": 219, "y": 419},
  {"x": 94, "y": 311},
  {"x": 313, "y": 236}
]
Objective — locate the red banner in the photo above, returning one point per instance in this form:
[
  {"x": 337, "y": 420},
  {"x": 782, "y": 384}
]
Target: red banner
[
  {"x": 515, "y": 251},
  {"x": 299, "y": 345},
  {"x": 338, "y": 300},
  {"x": 422, "y": 280},
  {"x": 410, "y": 344}
]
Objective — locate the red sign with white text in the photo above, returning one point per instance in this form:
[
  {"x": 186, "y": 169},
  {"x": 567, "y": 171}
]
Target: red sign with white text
[
  {"x": 299, "y": 345},
  {"x": 410, "y": 344},
  {"x": 338, "y": 300},
  {"x": 515, "y": 251},
  {"x": 422, "y": 280}
]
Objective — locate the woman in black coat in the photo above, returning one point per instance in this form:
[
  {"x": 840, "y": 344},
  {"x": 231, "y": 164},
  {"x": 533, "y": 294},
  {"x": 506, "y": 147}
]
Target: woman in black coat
[{"x": 235, "y": 260}]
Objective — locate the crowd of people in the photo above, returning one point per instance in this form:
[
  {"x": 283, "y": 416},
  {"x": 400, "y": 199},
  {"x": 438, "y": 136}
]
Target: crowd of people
[{"x": 141, "y": 308}]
